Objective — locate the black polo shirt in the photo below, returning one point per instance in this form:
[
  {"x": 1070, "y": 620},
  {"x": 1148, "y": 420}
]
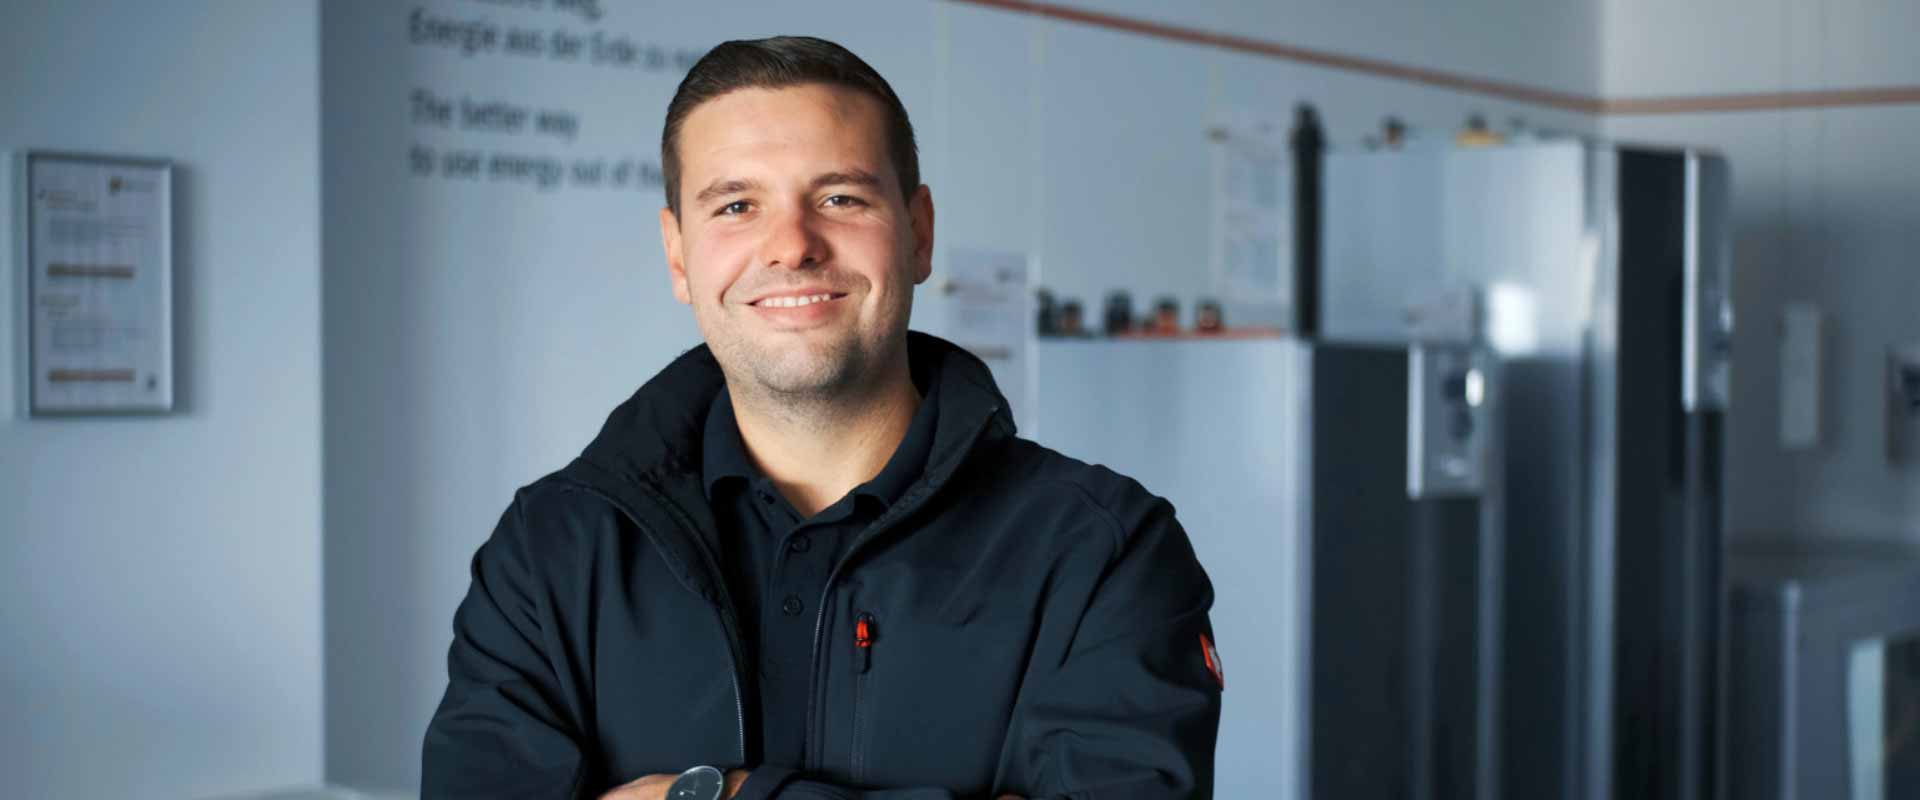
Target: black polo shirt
[{"x": 777, "y": 564}]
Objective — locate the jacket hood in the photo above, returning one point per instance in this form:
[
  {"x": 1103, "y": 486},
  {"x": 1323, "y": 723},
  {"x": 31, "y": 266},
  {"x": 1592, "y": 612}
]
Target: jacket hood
[{"x": 655, "y": 436}]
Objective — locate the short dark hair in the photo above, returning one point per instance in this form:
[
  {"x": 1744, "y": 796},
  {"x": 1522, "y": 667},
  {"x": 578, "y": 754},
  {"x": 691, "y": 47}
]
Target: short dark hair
[{"x": 776, "y": 63}]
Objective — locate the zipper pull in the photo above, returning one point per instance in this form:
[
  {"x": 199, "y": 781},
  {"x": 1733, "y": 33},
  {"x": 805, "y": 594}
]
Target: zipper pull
[{"x": 863, "y": 633}]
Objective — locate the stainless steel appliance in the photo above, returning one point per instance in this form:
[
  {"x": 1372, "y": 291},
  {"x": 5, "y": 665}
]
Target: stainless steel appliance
[
  {"x": 1335, "y": 495},
  {"x": 1605, "y": 273}
]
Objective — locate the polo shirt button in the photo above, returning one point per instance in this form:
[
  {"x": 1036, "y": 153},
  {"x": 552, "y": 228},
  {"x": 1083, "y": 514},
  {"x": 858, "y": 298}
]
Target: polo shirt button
[
  {"x": 766, "y": 498},
  {"x": 800, "y": 544},
  {"x": 792, "y": 606}
]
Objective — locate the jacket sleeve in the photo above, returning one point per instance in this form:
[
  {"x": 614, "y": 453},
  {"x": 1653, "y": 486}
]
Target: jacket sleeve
[
  {"x": 503, "y": 728},
  {"x": 1132, "y": 709}
]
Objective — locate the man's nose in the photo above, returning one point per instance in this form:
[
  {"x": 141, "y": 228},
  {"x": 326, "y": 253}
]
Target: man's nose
[{"x": 793, "y": 241}]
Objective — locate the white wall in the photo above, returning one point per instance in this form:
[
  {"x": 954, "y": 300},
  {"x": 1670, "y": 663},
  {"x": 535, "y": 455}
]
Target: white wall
[
  {"x": 160, "y": 576},
  {"x": 1656, "y": 48},
  {"x": 1826, "y": 211},
  {"x": 1086, "y": 147},
  {"x": 477, "y": 333},
  {"x": 1546, "y": 44}
]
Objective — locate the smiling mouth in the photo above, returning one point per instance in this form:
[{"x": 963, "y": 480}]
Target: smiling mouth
[{"x": 796, "y": 301}]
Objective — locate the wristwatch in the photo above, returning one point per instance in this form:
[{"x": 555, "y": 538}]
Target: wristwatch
[{"x": 699, "y": 783}]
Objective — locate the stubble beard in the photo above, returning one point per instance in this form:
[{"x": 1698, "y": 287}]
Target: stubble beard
[
  {"x": 807, "y": 382},
  {"x": 808, "y": 374},
  {"x": 816, "y": 384}
]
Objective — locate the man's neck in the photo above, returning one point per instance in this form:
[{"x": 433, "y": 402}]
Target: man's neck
[{"x": 817, "y": 453}]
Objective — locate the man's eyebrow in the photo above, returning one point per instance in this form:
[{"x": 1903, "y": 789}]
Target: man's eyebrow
[
  {"x": 847, "y": 177},
  {"x": 722, "y": 188}
]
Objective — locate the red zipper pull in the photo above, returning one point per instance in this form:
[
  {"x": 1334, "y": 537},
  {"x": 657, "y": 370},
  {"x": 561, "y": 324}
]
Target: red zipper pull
[{"x": 863, "y": 630}]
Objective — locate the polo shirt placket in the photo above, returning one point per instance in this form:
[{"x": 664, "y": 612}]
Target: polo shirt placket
[{"x": 777, "y": 563}]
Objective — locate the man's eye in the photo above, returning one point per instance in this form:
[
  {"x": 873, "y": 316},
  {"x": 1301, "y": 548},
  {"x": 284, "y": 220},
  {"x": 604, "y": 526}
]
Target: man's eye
[
  {"x": 844, "y": 200},
  {"x": 735, "y": 207}
]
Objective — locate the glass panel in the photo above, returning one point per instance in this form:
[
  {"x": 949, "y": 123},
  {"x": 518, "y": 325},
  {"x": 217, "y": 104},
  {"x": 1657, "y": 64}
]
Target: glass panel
[
  {"x": 1883, "y": 718},
  {"x": 1902, "y": 710}
]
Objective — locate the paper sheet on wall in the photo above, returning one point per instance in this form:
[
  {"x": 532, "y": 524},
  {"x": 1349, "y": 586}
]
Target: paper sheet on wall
[
  {"x": 100, "y": 286},
  {"x": 1252, "y": 237},
  {"x": 990, "y": 314}
]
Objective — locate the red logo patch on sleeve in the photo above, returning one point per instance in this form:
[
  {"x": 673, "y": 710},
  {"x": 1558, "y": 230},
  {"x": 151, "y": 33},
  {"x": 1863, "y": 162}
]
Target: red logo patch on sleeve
[{"x": 1212, "y": 655}]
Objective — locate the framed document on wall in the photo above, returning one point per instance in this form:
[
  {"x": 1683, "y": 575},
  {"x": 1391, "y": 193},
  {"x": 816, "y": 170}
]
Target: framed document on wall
[{"x": 99, "y": 289}]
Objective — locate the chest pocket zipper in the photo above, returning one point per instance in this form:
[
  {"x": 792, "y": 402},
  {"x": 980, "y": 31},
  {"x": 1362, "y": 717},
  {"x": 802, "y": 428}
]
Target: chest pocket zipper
[{"x": 866, "y": 630}]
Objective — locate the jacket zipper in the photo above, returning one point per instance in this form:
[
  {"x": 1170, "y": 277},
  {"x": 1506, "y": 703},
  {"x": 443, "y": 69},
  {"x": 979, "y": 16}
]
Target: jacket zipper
[
  {"x": 812, "y": 755},
  {"x": 865, "y": 630},
  {"x": 729, "y": 626}
]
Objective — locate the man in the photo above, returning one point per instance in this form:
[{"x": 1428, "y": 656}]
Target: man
[{"x": 811, "y": 559}]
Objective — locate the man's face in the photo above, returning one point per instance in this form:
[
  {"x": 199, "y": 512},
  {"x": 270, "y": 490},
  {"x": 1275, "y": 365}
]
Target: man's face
[{"x": 794, "y": 245}]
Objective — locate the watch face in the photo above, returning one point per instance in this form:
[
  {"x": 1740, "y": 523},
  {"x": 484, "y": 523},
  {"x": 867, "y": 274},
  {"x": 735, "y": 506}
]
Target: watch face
[{"x": 699, "y": 783}]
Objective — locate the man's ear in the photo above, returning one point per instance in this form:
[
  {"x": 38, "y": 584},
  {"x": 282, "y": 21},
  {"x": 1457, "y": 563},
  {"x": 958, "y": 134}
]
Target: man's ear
[
  {"x": 920, "y": 208},
  {"x": 676, "y": 258}
]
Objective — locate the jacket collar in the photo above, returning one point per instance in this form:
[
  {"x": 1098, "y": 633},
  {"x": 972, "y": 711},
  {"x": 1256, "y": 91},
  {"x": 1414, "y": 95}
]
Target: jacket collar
[
  {"x": 650, "y": 445},
  {"x": 725, "y": 456}
]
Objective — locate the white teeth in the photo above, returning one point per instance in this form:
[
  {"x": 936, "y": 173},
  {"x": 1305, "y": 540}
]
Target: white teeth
[{"x": 795, "y": 302}]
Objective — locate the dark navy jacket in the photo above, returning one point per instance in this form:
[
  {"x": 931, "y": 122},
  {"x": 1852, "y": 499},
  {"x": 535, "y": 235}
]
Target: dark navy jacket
[{"x": 1042, "y": 626}]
